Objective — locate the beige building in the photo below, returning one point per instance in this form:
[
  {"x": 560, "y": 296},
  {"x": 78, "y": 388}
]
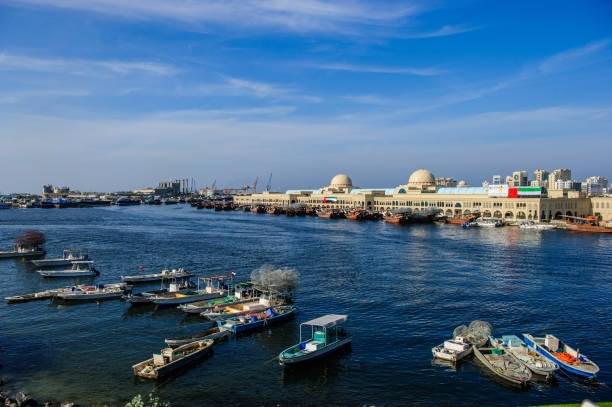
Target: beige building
[
  {"x": 602, "y": 207},
  {"x": 421, "y": 192}
]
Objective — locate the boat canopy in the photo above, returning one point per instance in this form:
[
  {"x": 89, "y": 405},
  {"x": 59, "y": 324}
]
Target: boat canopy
[{"x": 327, "y": 321}]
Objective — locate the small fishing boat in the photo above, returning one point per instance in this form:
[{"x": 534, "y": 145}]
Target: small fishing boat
[
  {"x": 215, "y": 287},
  {"x": 210, "y": 305},
  {"x": 535, "y": 362},
  {"x": 452, "y": 350},
  {"x": 41, "y": 295},
  {"x": 21, "y": 251},
  {"x": 171, "y": 360},
  {"x": 164, "y": 274},
  {"x": 254, "y": 321},
  {"x": 324, "y": 335},
  {"x": 146, "y": 296},
  {"x": 531, "y": 225},
  {"x": 214, "y": 334},
  {"x": 84, "y": 293},
  {"x": 570, "y": 360},
  {"x": 503, "y": 365},
  {"x": 68, "y": 257},
  {"x": 79, "y": 269},
  {"x": 234, "y": 310}
]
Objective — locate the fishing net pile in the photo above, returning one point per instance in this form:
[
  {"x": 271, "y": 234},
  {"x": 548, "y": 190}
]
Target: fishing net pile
[
  {"x": 476, "y": 333},
  {"x": 280, "y": 280},
  {"x": 31, "y": 238}
]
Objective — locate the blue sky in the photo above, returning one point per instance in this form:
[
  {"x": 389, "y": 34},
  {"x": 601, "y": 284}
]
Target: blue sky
[{"x": 110, "y": 94}]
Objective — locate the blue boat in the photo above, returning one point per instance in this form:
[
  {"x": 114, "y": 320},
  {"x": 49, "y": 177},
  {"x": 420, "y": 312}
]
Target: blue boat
[
  {"x": 569, "y": 359},
  {"x": 247, "y": 323}
]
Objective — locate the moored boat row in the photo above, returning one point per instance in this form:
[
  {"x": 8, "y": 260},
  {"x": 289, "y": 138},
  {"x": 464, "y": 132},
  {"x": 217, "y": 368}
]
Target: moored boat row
[{"x": 517, "y": 361}]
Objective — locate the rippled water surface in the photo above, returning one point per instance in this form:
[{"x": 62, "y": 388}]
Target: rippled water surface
[{"x": 404, "y": 288}]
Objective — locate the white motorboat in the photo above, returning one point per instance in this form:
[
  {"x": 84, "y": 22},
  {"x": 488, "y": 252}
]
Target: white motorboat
[
  {"x": 452, "y": 350},
  {"x": 68, "y": 257},
  {"x": 489, "y": 223},
  {"x": 99, "y": 292},
  {"x": 214, "y": 287},
  {"x": 79, "y": 269},
  {"x": 163, "y": 275},
  {"x": 531, "y": 225},
  {"x": 21, "y": 251}
]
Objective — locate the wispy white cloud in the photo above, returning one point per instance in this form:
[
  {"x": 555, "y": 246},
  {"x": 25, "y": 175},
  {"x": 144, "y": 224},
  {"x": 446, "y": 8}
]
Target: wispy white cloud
[
  {"x": 28, "y": 95},
  {"x": 368, "y": 99},
  {"x": 427, "y": 71},
  {"x": 292, "y": 15},
  {"x": 233, "y": 86},
  {"x": 444, "y": 31},
  {"x": 83, "y": 66},
  {"x": 572, "y": 58}
]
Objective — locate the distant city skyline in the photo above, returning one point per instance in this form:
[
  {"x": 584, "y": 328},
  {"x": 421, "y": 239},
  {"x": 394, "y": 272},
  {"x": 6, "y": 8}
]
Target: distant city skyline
[{"x": 108, "y": 95}]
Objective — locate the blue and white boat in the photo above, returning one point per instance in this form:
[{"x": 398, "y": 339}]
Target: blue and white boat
[
  {"x": 569, "y": 359},
  {"x": 251, "y": 322},
  {"x": 323, "y": 336}
]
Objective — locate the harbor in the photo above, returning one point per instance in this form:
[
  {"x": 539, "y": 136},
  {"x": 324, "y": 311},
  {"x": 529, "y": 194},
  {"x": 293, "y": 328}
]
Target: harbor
[{"x": 404, "y": 288}]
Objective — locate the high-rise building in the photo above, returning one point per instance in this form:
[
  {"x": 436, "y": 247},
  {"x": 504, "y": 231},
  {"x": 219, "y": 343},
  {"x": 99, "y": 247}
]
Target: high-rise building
[
  {"x": 595, "y": 186},
  {"x": 540, "y": 178},
  {"x": 496, "y": 179},
  {"x": 520, "y": 179},
  {"x": 561, "y": 174},
  {"x": 509, "y": 180}
]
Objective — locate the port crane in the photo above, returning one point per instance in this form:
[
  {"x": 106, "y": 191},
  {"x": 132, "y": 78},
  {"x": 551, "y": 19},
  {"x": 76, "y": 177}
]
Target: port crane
[{"x": 269, "y": 184}]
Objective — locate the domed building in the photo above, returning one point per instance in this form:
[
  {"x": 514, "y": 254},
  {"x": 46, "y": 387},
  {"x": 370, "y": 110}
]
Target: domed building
[
  {"x": 340, "y": 183},
  {"x": 421, "y": 179}
]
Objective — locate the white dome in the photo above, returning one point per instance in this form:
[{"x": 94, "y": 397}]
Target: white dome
[
  {"x": 461, "y": 184},
  {"x": 341, "y": 181},
  {"x": 421, "y": 177}
]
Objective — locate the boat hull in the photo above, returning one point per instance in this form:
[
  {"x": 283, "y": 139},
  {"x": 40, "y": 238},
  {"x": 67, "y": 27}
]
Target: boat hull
[
  {"x": 530, "y": 342},
  {"x": 69, "y": 297},
  {"x": 161, "y": 301},
  {"x": 438, "y": 352},
  {"x": 260, "y": 323},
  {"x": 54, "y": 262},
  {"x": 154, "y": 277},
  {"x": 172, "y": 367},
  {"x": 20, "y": 255},
  {"x": 507, "y": 378},
  {"x": 65, "y": 274},
  {"x": 316, "y": 355},
  {"x": 215, "y": 336}
]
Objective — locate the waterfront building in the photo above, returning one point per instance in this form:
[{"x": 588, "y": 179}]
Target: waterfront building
[
  {"x": 602, "y": 207},
  {"x": 421, "y": 192}
]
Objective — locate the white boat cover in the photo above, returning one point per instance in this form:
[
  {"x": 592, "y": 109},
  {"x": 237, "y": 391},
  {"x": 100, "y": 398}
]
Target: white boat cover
[{"x": 327, "y": 321}]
